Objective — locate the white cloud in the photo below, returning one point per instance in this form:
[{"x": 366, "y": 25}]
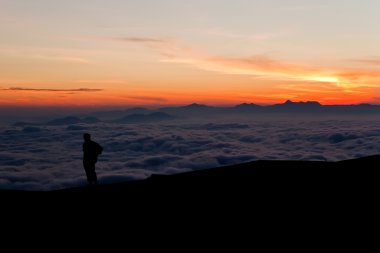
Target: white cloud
[{"x": 50, "y": 158}]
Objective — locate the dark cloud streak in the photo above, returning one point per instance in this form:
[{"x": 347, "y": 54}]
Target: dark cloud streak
[{"x": 52, "y": 90}]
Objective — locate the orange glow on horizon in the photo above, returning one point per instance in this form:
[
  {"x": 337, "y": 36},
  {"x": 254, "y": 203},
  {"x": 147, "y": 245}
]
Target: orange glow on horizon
[
  {"x": 225, "y": 54},
  {"x": 162, "y": 97},
  {"x": 184, "y": 75}
]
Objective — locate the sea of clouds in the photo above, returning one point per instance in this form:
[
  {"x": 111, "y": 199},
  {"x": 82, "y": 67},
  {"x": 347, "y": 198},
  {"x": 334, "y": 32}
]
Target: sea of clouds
[{"x": 50, "y": 157}]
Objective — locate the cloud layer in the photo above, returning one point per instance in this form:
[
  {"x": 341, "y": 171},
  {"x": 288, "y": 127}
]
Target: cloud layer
[{"x": 49, "y": 157}]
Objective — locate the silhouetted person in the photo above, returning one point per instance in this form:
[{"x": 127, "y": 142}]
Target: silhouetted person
[{"x": 91, "y": 151}]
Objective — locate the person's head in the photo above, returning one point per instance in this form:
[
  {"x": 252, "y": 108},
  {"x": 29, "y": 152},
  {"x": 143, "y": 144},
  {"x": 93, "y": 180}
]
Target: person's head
[{"x": 87, "y": 137}]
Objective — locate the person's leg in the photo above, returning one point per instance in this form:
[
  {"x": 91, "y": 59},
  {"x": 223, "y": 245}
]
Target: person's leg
[
  {"x": 94, "y": 178},
  {"x": 90, "y": 172}
]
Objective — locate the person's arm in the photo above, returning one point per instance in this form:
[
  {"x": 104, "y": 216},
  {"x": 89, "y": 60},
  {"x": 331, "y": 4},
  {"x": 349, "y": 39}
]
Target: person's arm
[{"x": 100, "y": 149}]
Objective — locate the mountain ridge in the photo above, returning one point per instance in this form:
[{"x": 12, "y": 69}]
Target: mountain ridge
[{"x": 195, "y": 110}]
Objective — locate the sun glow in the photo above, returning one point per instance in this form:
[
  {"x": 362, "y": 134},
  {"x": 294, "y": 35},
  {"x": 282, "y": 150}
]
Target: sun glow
[
  {"x": 323, "y": 79},
  {"x": 167, "y": 52}
]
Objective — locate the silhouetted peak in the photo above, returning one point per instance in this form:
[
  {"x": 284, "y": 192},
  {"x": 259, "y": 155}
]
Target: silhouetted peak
[
  {"x": 195, "y": 105},
  {"x": 246, "y": 105},
  {"x": 288, "y": 102},
  {"x": 307, "y": 103}
]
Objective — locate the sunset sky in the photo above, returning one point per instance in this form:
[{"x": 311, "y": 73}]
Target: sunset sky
[{"x": 167, "y": 52}]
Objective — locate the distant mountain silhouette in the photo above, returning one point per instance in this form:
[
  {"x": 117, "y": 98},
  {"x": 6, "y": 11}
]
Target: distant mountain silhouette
[
  {"x": 138, "y": 110},
  {"x": 243, "y": 108},
  {"x": 69, "y": 120},
  {"x": 196, "y": 106},
  {"x": 117, "y": 114},
  {"x": 192, "y": 109},
  {"x": 139, "y": 114},
  {"x": 290, "y": 103},
  {"x": 72, "y": 120},
  {"x": 290, "y": 106},
  {"x": 286, "y": 107},
  {"x": 145, "y": 118}
]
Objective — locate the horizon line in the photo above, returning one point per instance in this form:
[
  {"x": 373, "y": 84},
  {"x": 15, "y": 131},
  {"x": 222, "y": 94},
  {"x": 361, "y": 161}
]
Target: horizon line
[{"x": 127, "y": 106}]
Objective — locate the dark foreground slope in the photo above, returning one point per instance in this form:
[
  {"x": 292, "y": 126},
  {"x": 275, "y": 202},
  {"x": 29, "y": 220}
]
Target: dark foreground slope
[
  {"x": 275, "y": 204},
  {"x": 255, "y": 182},
  {"x": 262, "y": 197}
]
